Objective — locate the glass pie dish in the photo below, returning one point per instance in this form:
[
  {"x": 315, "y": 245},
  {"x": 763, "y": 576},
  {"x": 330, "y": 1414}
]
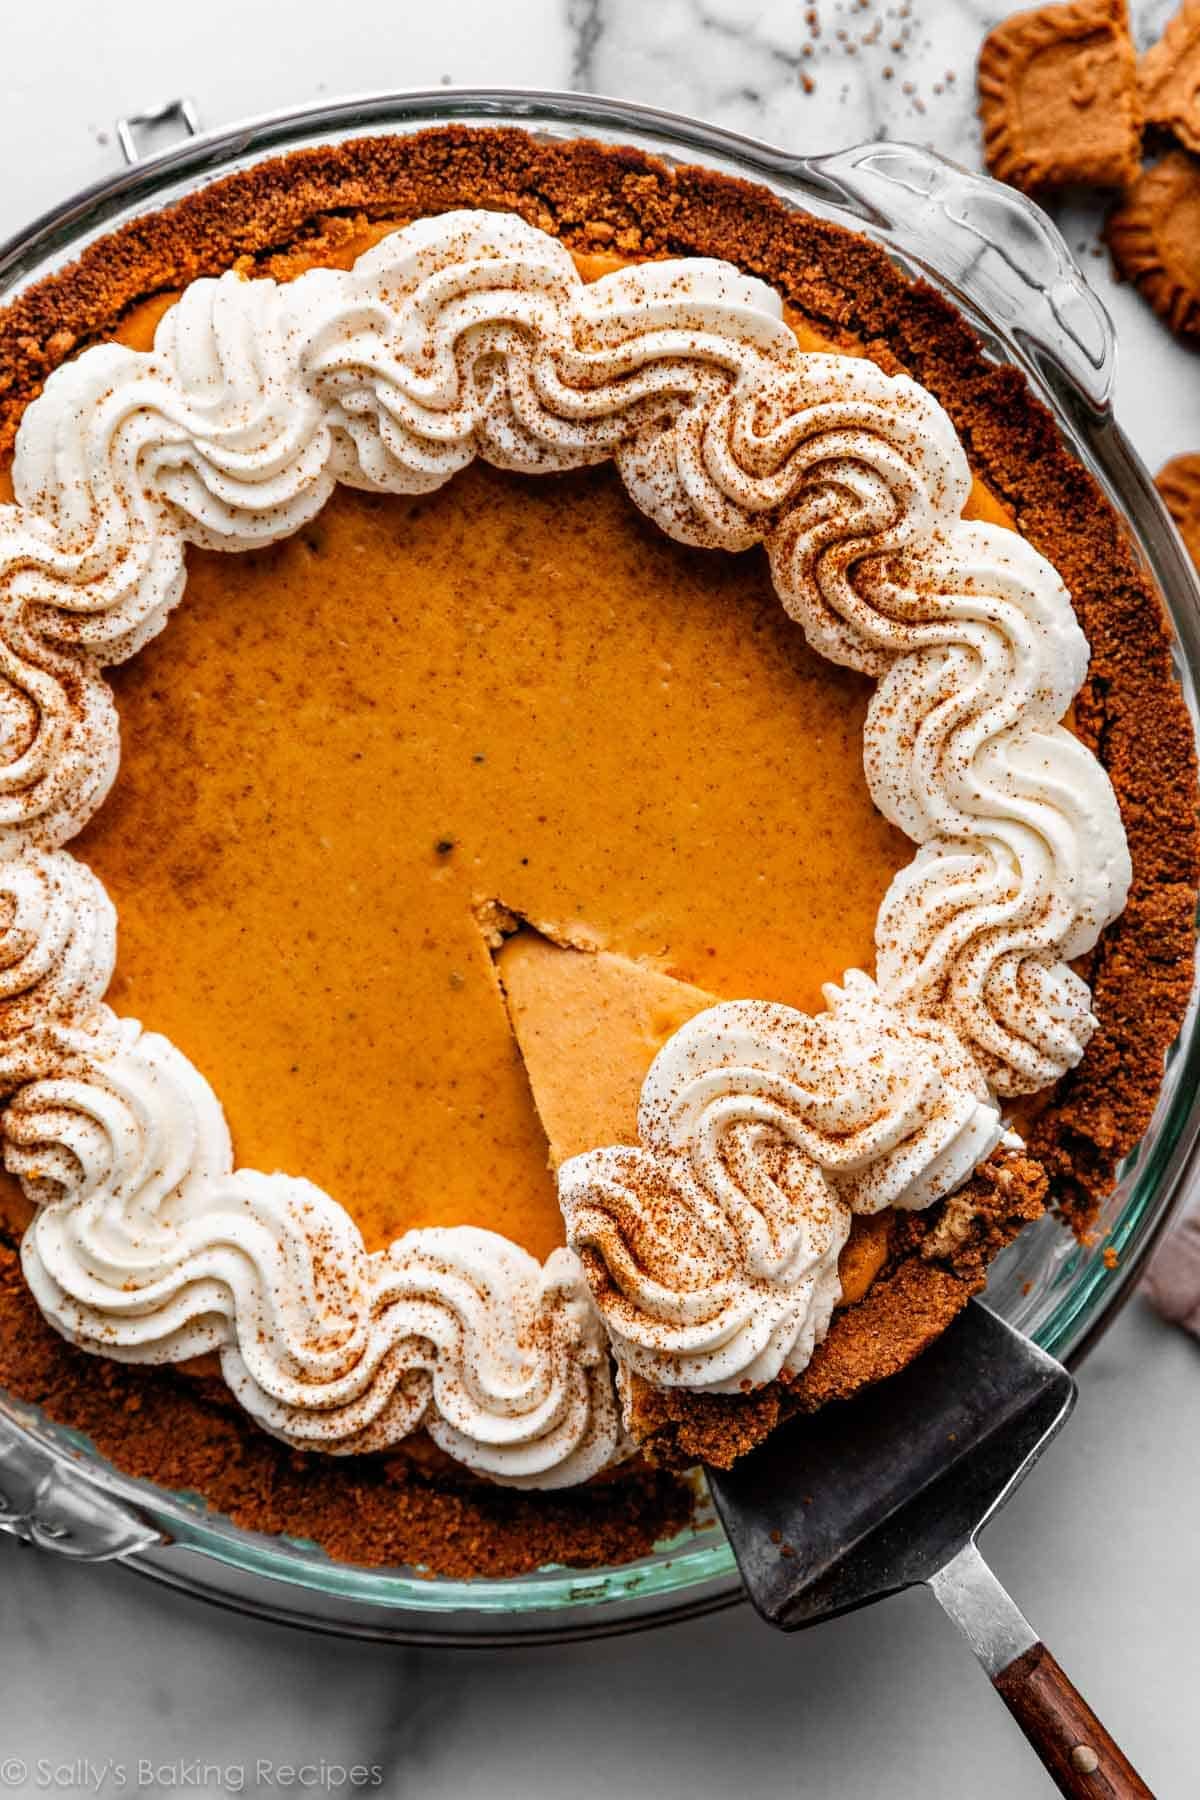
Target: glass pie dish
[{"x": 1000, "y": 261}]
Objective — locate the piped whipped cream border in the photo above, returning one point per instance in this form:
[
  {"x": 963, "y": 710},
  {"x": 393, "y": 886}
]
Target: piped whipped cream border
[{"x": 706, "y": 1256}]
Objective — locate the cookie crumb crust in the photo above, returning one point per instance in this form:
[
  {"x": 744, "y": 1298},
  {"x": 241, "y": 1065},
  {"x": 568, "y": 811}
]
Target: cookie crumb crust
[{"x": 315, "y": 205}]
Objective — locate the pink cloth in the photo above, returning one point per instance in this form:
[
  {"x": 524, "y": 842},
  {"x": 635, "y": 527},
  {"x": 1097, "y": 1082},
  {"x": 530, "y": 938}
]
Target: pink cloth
[{"x": 1173, "y": 1282}]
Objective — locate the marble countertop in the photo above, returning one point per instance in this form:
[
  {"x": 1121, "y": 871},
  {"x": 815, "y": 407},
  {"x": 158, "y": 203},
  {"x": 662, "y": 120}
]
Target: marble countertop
[{"x": 105, "y": 1673}]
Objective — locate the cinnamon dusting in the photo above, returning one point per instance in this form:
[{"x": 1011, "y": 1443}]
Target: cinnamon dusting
[
  {"x": 929, "y": 1276},
  {"x": 319, "y": 205},
  {"x": 413, "y": 1508}
]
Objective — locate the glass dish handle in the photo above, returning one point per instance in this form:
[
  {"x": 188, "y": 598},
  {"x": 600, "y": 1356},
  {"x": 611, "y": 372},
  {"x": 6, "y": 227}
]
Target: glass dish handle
[
  {"x": 995, "y": 247},
  {"x": 44, "y": 1502},
  {"x": 178, "y": 117}
]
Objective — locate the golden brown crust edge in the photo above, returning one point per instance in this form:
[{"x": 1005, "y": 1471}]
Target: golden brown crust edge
[{"x": 596, "y": 197}]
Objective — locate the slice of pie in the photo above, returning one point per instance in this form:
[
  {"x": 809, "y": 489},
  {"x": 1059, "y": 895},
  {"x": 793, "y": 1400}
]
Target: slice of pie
[
  {"x": 486, "y": 1085},
  {"x": 590, "y": 1025}
]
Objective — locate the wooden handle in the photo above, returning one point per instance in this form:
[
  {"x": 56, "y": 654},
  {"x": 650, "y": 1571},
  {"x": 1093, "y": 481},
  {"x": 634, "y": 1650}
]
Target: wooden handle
[{"x": 1065, "y": 1732}]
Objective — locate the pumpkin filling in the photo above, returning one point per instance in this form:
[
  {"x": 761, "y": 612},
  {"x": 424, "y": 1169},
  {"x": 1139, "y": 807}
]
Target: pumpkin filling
[{"x": 345, "y": 744}]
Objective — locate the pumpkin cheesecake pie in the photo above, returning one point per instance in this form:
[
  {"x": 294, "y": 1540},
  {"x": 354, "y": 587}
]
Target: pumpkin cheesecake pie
[{"x": 568, "y": 881}]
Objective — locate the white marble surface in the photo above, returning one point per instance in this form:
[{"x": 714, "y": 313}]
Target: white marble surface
[{"x": 1101, "y": 1546}]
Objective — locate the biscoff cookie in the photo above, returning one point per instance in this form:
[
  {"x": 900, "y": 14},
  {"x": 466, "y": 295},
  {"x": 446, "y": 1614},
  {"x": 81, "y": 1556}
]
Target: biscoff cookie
[
  {"x": 1179, "y": 484},
  {"x": 1169, "y": 77},
  {"x": 1058, "y": 97},
  {"x": 1154, "y": 236}
]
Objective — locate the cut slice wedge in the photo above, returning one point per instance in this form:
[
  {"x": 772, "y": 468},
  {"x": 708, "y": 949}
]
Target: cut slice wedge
[{"x": 588, "y": 1024}]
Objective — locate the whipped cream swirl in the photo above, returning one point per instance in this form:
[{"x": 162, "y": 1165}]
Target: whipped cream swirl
[
  {"x": 472, "y": 334},
  {"x": 1023, "y": 857},
  {"x": 58, "y": 940},
  {"x": 712, "y": 1246},
  {"x": 149, "y": 1246}
]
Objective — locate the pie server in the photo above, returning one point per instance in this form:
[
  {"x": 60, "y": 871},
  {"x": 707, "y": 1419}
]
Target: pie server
[{"x": 892, "y": 1488}]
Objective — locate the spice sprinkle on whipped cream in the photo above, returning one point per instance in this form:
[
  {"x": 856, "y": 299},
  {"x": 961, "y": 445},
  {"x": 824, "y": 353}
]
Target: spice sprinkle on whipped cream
[{"x": 705, "y": 1256}]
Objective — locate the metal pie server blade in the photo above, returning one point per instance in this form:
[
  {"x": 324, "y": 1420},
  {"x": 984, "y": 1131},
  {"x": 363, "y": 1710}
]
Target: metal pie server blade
[{"x": 891, "y": 1488}]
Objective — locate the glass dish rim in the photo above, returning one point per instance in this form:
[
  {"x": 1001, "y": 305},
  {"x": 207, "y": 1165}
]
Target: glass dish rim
[{"x": 1085, "y": 1311}]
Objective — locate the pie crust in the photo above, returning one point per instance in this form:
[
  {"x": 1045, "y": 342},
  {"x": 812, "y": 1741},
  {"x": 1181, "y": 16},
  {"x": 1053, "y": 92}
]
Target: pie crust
[
  {"x": 623, "y": 194},
  {"x": 712, "y": 1247}
]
